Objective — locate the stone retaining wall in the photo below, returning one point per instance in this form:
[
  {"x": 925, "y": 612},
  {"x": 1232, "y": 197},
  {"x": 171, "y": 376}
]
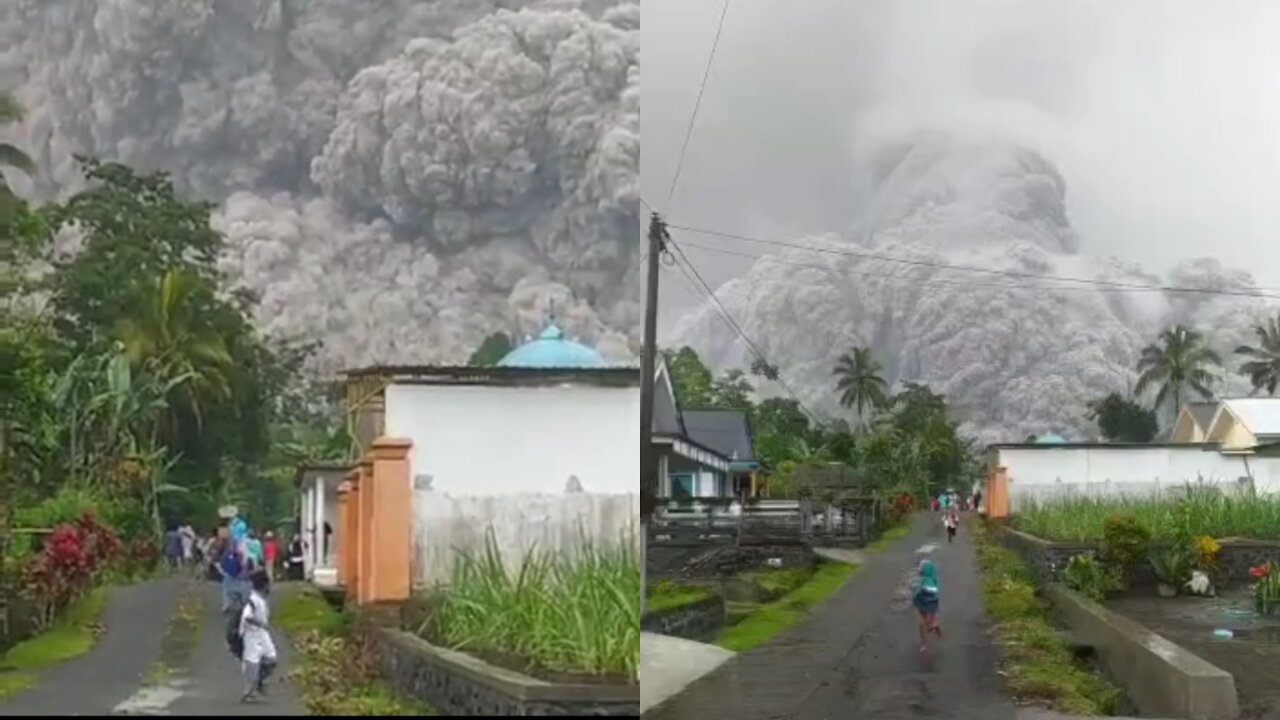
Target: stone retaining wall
[
  {"x": 456, "y": 684},
  {"x": 726, "y": 561},
  {"x": 701, "y": 620},
  {"x": 1048, "y": 559}
]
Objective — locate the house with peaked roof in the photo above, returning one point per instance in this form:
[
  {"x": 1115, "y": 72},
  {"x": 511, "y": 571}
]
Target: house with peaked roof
[
  {"x": 1241, "y": 425},
  {"x": 728, "y": 432},
  {"x": 1192, "y": 425},
  {"x": 701, "y": 453}
]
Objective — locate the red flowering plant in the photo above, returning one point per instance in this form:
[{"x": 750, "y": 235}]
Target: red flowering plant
[
  {"x": 902, "y": 506},
  {"x": 74, "y": 558},
  {"x": 1266, "y": 587}
]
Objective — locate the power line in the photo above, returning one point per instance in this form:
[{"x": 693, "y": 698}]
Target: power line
[
  {"x": 693, "y": 118},
  {"x": 686, "y": 267},
  {"x": 966, "y": 268}
]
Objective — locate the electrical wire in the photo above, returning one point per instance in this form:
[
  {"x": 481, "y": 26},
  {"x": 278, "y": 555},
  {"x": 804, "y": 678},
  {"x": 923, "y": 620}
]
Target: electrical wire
[
  {"x": 965, "y": 268},
  {"x": 687, "y": 267},
  {"x": 693, "y": 118}
]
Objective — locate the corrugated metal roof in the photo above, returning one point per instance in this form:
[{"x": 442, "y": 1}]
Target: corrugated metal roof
[
  {"x": 725, "y": 431},
  {"x": 1261, "y": 416}
]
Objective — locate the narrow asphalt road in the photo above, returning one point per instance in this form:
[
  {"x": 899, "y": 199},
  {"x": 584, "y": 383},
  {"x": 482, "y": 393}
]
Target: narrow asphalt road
[
  {"x": 117, "y": 676},
  {"x": 858, "y": 654}
]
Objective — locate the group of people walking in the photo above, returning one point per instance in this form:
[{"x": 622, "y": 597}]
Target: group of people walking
[{"x": 245, "y": 564}]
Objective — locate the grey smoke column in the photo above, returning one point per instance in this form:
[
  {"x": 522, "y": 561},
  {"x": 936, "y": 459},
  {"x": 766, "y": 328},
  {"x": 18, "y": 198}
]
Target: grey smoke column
[
  {"x": 1015, "y": 358},
  {"x": 449, "y": 165}
]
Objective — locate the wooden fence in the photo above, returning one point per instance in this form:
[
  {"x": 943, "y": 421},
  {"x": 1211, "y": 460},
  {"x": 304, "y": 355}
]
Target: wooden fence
[{"x": 730, "y": 521}]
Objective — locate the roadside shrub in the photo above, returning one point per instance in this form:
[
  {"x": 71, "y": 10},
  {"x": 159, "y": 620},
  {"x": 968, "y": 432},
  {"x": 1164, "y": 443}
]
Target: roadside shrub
[
  {"x": 72, "y": 562},
  {"x": 1087, "y": 576},
  {"x": 1125, "y": 544},
  {"x": 901, "y": 507},
  {"x": 1204, "y": 551}
]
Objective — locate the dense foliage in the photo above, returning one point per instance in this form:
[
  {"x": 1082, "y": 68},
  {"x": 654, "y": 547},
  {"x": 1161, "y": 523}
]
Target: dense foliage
[
  {"x": 1123, "y": 420},
  {"x": 909, "y": 445},
  {"x": 133, "y": 382}
]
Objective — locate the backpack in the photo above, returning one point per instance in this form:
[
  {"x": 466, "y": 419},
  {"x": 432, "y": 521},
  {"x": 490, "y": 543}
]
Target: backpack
[{"x": 235, "y": 641}]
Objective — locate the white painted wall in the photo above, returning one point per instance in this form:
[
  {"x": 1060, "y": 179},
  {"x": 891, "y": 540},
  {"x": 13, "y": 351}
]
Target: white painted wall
[
  {"x": 489, "y": 440},
  {"x": 444, "y": 524},
  {"x": 1047, "y": 473},
  {"x": 500, "y": 457}
]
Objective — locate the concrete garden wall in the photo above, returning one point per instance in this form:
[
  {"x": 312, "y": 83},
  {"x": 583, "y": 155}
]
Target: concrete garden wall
[
  {"x": 1048, "y": 559},
  {"x": 445, "y": 523},
  {"x": 1162, "y": 679},
  {"x": 701, "y": 620},
  {"x": 456, "y": 684}
]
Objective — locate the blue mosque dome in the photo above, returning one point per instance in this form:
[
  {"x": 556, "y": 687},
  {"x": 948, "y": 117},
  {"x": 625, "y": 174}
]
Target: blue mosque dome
[
  {"x": 552, "y": 350},
  {"x": 1050, "y": 439}
]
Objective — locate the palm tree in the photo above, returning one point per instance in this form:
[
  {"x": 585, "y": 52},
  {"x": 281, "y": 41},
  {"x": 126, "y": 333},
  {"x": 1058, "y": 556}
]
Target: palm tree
[
  {"x": 1263, "y": 366},
  {"x": 1178, "y": 361},
  {"x": 10, "y": 156},
  {"x": 858, "y": 378},
  {"x": 170, "y": 340}
]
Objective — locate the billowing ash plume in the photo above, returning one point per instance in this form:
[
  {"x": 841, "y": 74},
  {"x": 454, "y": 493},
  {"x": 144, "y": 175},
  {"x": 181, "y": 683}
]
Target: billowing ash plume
[
  {"x": 1013, "y": 357},
  {"x": 398, "y": 179}
]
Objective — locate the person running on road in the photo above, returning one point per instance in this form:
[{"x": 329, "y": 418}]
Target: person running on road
[
  {"x": 926, "y": 601},
  {"x": 259, "y": 650},
  {"x": 231, "y": 568},
  {"x": 270, "y": 553},
  {"x": 952, "y": 522}
]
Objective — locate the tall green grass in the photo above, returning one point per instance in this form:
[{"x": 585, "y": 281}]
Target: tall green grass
[
  {"x": 1197, "y": 510},
  {"x": 575, "y": 613}
]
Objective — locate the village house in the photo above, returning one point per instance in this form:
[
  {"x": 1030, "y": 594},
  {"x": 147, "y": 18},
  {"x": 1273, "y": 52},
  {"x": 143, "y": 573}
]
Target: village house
[
  {"x": 538, "y": 451},
  {"x": 702, "y": 454}
]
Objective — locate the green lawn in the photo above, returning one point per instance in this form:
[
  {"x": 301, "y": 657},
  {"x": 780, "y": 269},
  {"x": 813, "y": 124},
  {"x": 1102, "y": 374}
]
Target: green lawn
[
  {"x": 668, "y": 595},
  {"x": 72, "y": 636},
  {"x": 890, "y": 536},
  {"x": 772, "y": 618},
  {"x": 779, "y": 582}
]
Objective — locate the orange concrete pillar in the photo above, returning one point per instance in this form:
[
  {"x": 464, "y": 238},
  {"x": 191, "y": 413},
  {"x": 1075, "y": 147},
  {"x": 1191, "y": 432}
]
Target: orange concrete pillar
[
  {"x": 390, "y": 531},
  {"x": 998, "y": 493},
  {"x": 346, "y": 491},
  {"x": 363, "y": 522}
]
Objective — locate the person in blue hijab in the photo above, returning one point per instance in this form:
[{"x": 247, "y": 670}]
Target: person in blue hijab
[
  {"x": 239, "y": 530},
  {"x": 925, "y": 598}
]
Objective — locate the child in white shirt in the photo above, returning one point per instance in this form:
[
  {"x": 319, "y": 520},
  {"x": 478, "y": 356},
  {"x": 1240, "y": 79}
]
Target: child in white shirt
[{"x": 259, "y": 650}]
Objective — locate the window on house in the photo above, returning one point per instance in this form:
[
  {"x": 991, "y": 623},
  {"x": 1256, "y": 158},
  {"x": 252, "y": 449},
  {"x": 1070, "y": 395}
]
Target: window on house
[{"x": 682, "y": 485}]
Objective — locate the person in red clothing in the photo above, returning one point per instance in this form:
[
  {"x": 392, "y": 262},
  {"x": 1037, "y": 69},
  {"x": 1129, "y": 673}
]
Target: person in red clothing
[{"x": 270, "y": 551}]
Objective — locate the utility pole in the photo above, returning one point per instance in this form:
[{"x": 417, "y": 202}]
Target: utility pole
[{"x": 648, "y": 367}]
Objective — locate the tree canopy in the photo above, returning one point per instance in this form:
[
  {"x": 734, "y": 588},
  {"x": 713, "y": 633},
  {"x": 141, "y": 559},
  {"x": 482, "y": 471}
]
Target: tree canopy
[
  {"x": 1123, "y": 420},
  {"x": 914, "y": 447}
]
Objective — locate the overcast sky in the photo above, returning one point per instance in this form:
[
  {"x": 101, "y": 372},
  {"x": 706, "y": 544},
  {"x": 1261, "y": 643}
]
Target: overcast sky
[{"x": 1163, "y": 115}]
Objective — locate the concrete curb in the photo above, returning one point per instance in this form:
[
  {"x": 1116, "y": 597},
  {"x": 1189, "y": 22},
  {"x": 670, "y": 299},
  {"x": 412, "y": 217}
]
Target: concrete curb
[{"x": 1162, "y": 678}]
